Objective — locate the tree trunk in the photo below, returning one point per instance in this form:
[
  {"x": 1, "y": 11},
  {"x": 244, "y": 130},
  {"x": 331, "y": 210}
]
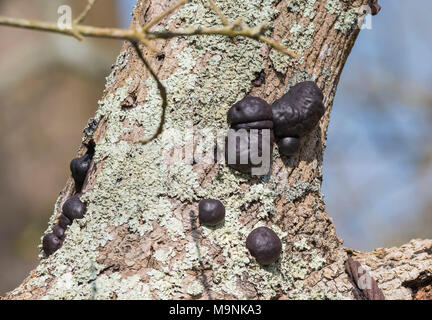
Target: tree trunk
[{"x": 141, "y": 238}]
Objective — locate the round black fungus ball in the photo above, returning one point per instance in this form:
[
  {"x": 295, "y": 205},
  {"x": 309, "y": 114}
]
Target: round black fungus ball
[
  {"x": 289, "y": 146},
  {"x": 64, "y": 221},
  {"x": 59, "y": 232},
  {"x": 249, "y": 109},
  {"x": 211, "y": 212},
  {"x": 264, "y": 244},
  {"x": 298, "y": 111},
  {"x": 50, "y": 243},
  {"x": 74, "y": 208},
  {"x": 79, "y": 168}
]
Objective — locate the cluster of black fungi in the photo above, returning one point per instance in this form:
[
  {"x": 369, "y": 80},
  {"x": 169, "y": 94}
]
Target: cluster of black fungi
[
  {"x": 291, "y": 117},
  {"x": 72, "y": 209}
]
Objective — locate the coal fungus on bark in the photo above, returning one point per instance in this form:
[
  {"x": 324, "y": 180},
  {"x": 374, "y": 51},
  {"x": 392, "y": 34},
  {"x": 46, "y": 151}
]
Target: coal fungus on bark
[
  {"x": 50, "y": 243},
  {"x": 295, "y": 114},
  {"x": 79, "y": 168},
  {"x": 211, "y": 212},
  {"x": 64, "y": 221},
  {"x": 59, "y": 231},
  {"x": 264, "y": 245},
  {"x": 74, "y": 208},
  {"x": 248, "y": 119}
]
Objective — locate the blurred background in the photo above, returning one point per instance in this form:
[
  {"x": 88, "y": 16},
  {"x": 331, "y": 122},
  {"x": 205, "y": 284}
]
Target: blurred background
[{"x": 378, "y": 162}]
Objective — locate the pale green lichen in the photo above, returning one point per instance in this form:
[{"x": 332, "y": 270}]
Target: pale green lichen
[
  {"x": 195, "y": 288},
  {"x": 303, "y": 6},
  {"x": 301, "y": 189},
  {"x": 108, "y": 287},
  {"x": 347, "y": 21},
  {"x": 299, "y": 76},
  {"x": 317, "y": 261},
  {"x": 119, "y": 65},
  {"x": 302, "y": 244},
  {"x": 315, "y": 294},
  {"x": 334, "y": 6},
  {"x": 264, "y": 195},
  {"x": 299, "y": 41},
  {"x": 163, "y": 255},
  {"x": 165, "y": 282}
]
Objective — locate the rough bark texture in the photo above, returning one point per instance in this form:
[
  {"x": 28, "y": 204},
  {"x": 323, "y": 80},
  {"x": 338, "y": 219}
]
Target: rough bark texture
[{"x": 141, "y": 238}]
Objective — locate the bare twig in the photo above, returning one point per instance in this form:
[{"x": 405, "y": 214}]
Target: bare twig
[
  {"x": 162, "y": 91},
  {"x": 218, "y": 11},
  {"x": 84, "y": 14},
  {"x": 163, "y": 15},
  {"x": 232, "y": 30}
]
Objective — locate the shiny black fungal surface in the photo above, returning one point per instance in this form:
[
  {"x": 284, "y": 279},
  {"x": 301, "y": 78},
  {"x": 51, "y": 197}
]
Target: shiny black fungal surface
[
  {"x": 64, "y": 221},
  {"x": 59, "y": 232},
  {"x": 248, "y": 114},
  {"x": 264, "y": 245},
  {"x": 211, "y": 212},
  {"x": 298, "y": 111},
  {"x": 50, "y": 243},
  {"x": 79, "y": 168},
  {"x": 249, "y": 109},
  {"x": 74, "y": 208},
  {"x": 289, "y": 146}
]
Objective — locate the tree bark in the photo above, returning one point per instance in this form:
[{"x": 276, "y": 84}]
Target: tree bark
[{"x": 141, "y": 238}]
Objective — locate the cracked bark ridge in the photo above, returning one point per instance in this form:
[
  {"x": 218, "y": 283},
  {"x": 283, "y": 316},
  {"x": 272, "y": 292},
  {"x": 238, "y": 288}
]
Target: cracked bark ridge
[
  {"x": 400, "y": 270},
  {"x": 422, "y": 285},
  {"x": 365, "y": 287}
]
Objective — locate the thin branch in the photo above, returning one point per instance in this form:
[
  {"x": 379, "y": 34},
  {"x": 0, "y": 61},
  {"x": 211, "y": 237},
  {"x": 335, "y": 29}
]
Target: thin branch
[
  {"x": 162, "y": 91},
  {"x": 233, "y": 30},
  {"x": 113, "y": 33},
  {"x": 84, "y": 14},
  {"x": 219, "y": 12},
  {"x": 163, "y": 15}
]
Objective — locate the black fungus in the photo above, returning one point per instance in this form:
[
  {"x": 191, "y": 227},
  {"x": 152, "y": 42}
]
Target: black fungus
[
  {"x": 244, "y": 117},
  {"x": 296, "y": 114},
  {"x": 50, "y": 243},
  {"x": 289, "y": 146},
  {"x": 211, "y": 212},
  {"x": 249, "y": 109},
  {"x": 264, "y": 244},
  {"x": 59, "y": 232},
  {"x": 79, "y": 168},
  {"x": 74, "y": 208},
  {"x": 64, "y": 221},
  {"x": 298, "y": 111}
]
